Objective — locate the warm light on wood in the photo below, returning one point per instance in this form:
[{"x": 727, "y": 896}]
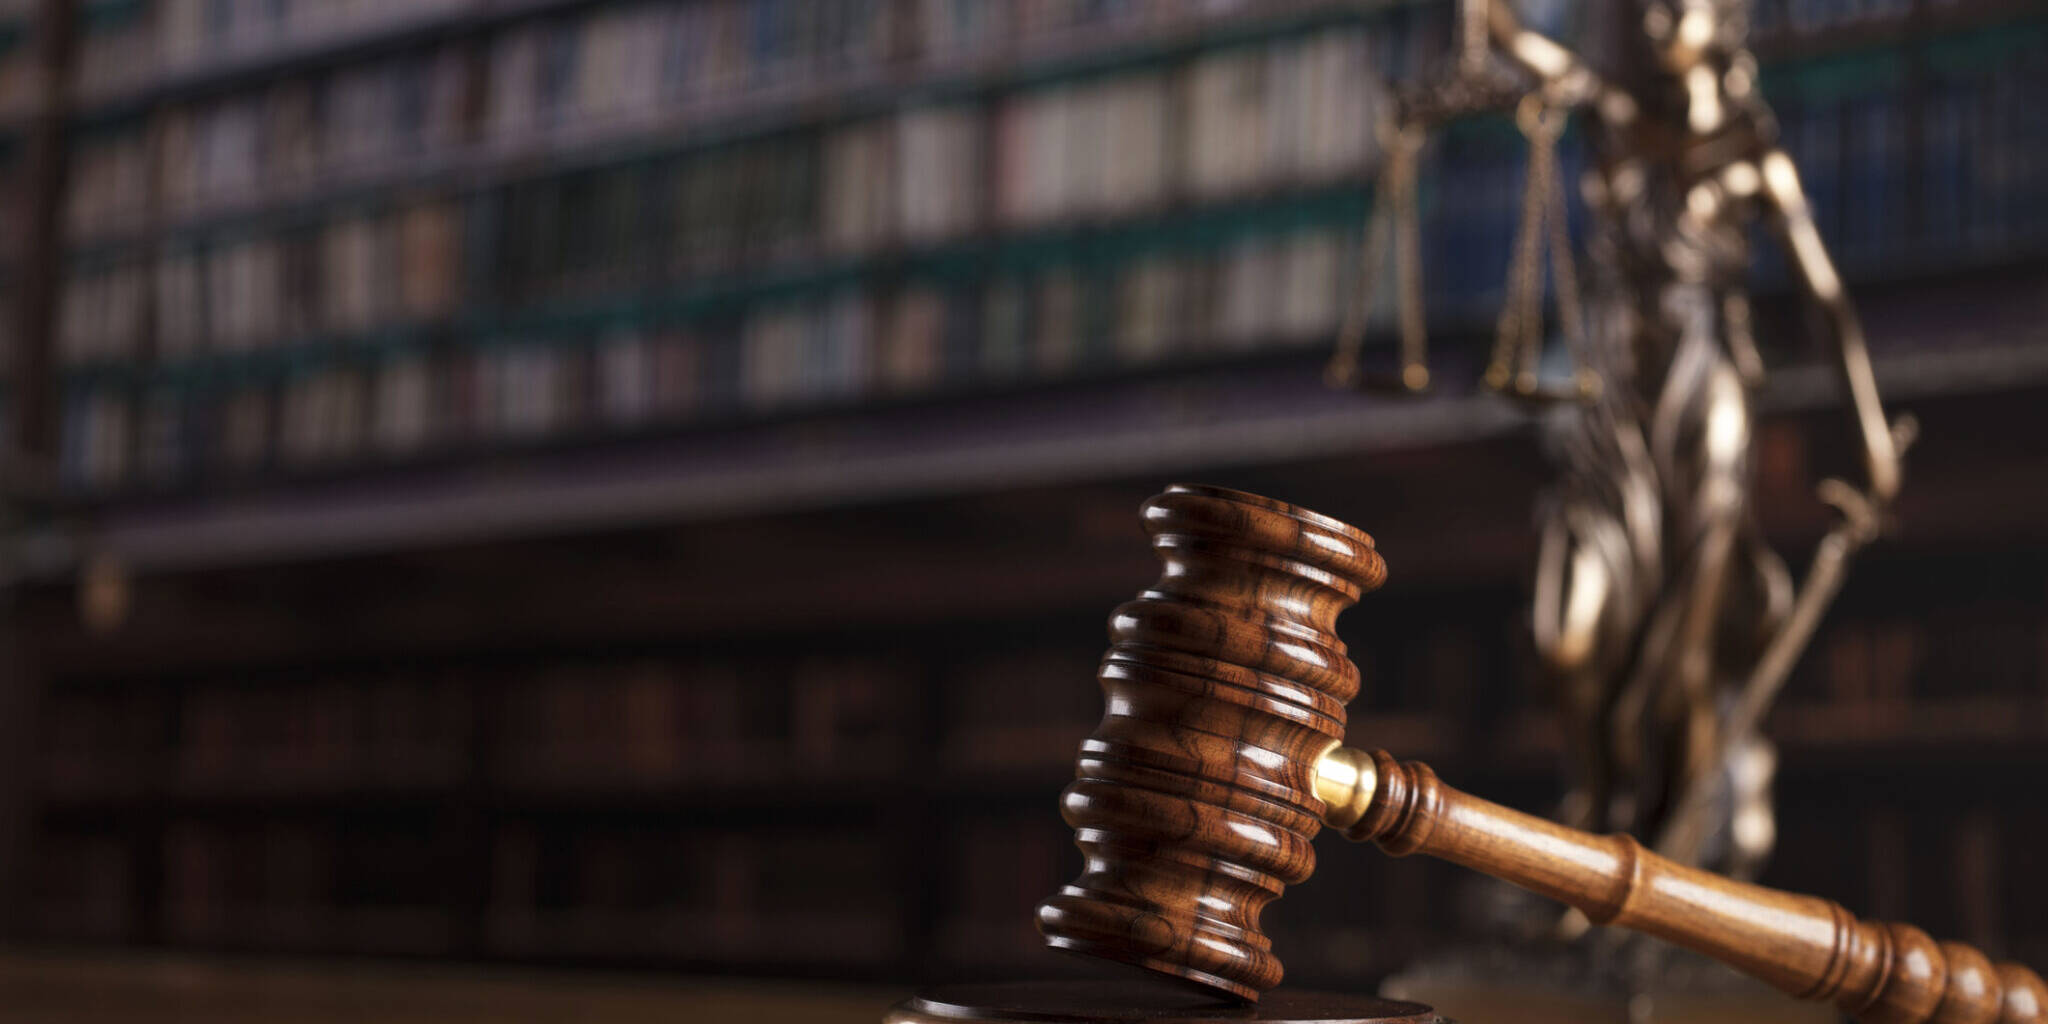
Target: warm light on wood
[
  {"x": 1219, "y": 759},
  {"x": 1809, "y": 947}
]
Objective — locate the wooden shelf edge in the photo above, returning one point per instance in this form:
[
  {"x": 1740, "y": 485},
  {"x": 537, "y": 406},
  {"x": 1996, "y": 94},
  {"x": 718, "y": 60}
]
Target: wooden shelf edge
[{"x": 947, "y": 449}]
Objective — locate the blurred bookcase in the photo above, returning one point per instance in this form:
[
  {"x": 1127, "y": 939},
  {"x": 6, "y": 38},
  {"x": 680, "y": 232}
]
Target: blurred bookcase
[{"x": 388, "y": 342}]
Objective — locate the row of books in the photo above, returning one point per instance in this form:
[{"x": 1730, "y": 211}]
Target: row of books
[
  {"x": 634, "y": 59},
  {"x": 638, "y": 724},
  {"x": 227, "y": 741},
  {"x": 276, "y": 142},
  {"x": 1968, "y": 183},
  {"x": 669, "y": 50},
  {"x": 337, "y": 404},
  {"x": 1809, "y": 17},
  {"x": 1905, "y": 175},
  {"x": 322, "y": 736},
  {"x": 717, "y": 870},
  {"x": 813, "y": 894},
  {"x": 1972, "y": 650},
  {"x": 832, "y": 935},
  {"x": 348, "y": 275},
  {"x": 1957, "y": 868},
  {"x": 652, "y": 725},
  {"x": 376, "y": 887},
  {"x": 127, "y": 46},
  {"x": 1303, "y": 106},
  {"x": 218, "y": 874},
  {"x": 1218, "y": 124},
  {"x": 1300, "y": 109}
]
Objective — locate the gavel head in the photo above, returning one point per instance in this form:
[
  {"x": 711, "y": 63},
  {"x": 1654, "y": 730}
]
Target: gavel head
[{"x": 1194, "y": 801}]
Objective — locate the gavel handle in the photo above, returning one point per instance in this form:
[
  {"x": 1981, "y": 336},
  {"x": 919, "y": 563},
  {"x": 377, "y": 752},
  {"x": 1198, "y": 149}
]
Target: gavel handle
[{"x": 1811, "y": 948}]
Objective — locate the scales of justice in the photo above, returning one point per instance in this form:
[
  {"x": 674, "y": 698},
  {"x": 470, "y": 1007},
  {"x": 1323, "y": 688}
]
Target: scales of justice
[{"x": 1664, "y": 622}]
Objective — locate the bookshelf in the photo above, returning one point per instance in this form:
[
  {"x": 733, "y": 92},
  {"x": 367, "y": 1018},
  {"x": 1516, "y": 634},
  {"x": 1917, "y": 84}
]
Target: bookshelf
[
  {"x": 638, "y": 483},
  {"x": 294, "y": 274}
]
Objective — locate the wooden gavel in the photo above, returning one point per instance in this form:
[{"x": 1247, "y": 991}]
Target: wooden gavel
[{"x": 1219, "y": 757}]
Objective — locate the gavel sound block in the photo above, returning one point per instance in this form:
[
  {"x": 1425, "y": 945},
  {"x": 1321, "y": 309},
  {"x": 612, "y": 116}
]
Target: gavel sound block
[
  {"x": 1219, "y": 757},
  {"x": 1125, "y": 1002}
]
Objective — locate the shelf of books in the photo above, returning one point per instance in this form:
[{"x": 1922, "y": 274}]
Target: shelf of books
[
  {"x": 792, "y": 811},
  {"x": 23, "y": 98},
  {"x": 591, "y": 222}
]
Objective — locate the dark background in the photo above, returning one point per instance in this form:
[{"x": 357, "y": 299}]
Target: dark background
[{"x": 640, "y": 485}]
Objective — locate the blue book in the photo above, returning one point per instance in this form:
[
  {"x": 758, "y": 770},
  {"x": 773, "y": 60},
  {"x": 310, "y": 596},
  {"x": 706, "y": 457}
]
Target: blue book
[{"x": 1945, "y": 174}]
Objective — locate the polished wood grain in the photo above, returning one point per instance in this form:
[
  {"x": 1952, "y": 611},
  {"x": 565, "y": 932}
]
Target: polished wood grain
[
  {"x": 1218, "y": 758},
  {"x": 1193, "y": 801},
  {"x": 1811, "y": 948}
]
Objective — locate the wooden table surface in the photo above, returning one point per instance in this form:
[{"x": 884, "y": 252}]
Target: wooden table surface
[
  {"x": 1724, "y": 999},
  {"x": 54, "y": 988},
  {"x": 39, "y": 987}
]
